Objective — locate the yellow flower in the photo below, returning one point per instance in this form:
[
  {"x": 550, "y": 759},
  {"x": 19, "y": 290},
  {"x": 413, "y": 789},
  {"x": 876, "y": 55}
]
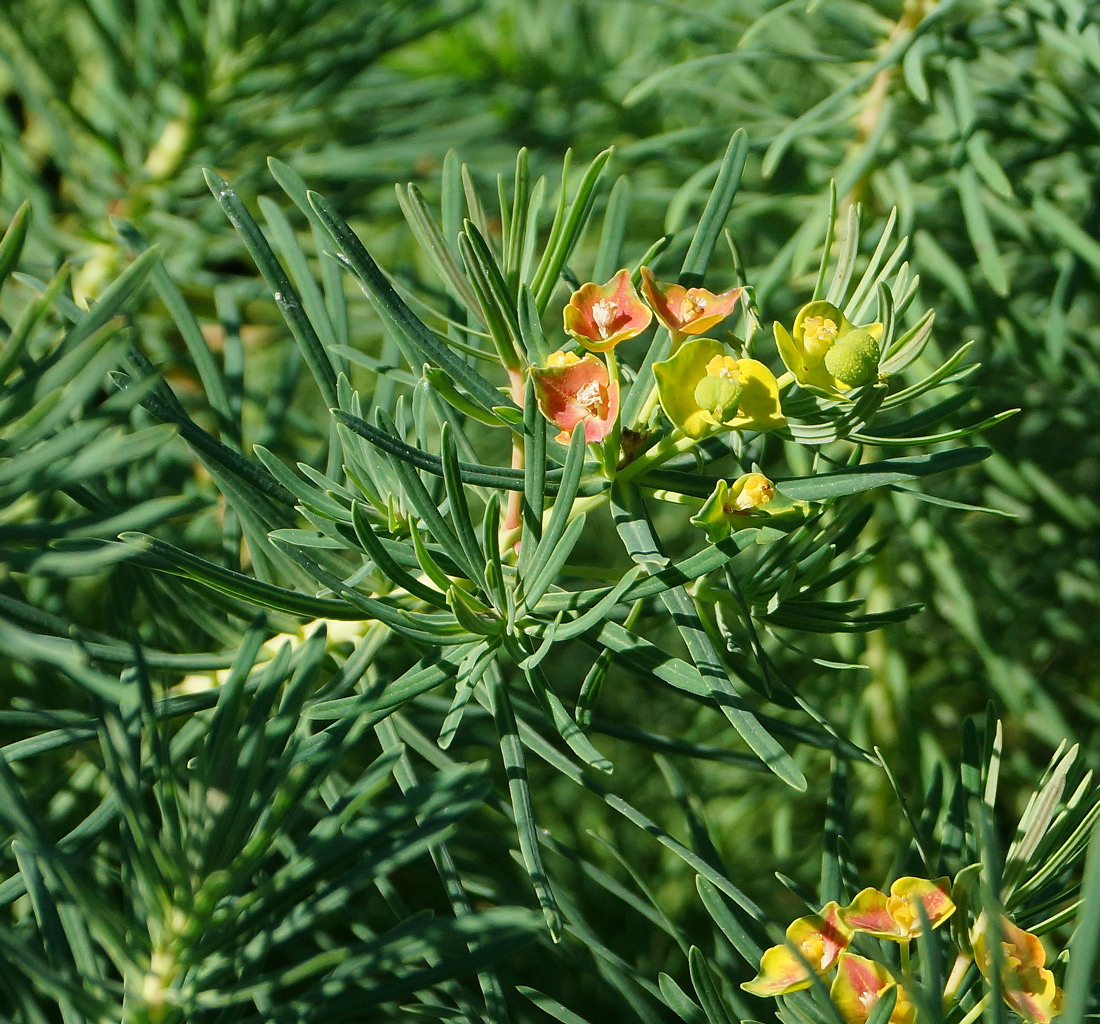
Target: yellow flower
[
  {"x": 827, "y": 351},
  {"x": 819, "y": 939},
  {"x": 896, "y": 916},
  {"x": 702, "y": 390},
  {"x": 859, "y": 984},
  {"x": 738, "y": 504},
  {"x": 1027, "y": 985}
]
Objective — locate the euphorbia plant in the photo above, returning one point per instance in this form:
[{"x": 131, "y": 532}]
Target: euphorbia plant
[
  {"x": 479, "y": 573},
  {"x": 473, "y": 570}
]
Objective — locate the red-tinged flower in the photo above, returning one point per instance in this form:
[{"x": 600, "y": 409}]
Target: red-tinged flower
[
  {"x": 897, "y": 916},
  {"x": 687, "y": 310},
  {"x": 571, "y": 390},
  {"x": 1027, "y": 985},
  {"x": 859, "y": 984},
  {"x": 819, "y": 938},
  {"x": 600, "y": 316}
]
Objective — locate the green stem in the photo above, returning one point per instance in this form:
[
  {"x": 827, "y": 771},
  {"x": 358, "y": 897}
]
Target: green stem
[
  {"x": 976, "y": 1010},
  {"x": 647, "y": 410},
  {"x": 611, "y": 443},
  {"x": 954, "y": 980},
  {"x": 665, "y": 449},
  {"x": 906, "y": 967}
]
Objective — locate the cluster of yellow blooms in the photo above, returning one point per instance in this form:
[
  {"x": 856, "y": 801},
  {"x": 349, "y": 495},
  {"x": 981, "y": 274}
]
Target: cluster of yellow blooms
[
  {"x": 702, "y": 388},
  {"x": 818, "y": 943}
]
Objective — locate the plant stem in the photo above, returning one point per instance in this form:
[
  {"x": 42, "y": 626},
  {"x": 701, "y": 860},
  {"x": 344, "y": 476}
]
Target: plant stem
[
  {"x": 513, "y": 516},
  {"x": 647, "y": 409},
  {"x": 954, "y": 980},
  {"x": 661, "y": 452},
  {"x": 976, "y": 1010}
]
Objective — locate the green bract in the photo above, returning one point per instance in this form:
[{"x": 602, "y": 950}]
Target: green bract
[
  {"x": 750, "y": 500},
  {"x": 702, "y": 390},
  {"x": 826, "y": 350}
]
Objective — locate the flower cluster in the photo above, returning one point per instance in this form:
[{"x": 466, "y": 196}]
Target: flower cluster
[
  {"x": 702, "y": 388},
  {"x": 818, "y": 943}
]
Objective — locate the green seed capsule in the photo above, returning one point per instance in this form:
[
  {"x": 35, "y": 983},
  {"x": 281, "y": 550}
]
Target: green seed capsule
[
  {"x": 719, "y": 396},
  {"x": 854, "y": 358}
]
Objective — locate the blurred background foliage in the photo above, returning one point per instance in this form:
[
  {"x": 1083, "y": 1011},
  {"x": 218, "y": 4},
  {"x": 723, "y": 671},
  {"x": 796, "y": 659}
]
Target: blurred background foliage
[{"x": 978, "y": 120}]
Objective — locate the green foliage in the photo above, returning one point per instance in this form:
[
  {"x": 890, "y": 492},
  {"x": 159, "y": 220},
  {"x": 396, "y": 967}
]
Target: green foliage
[{"x": 441, "y": 799}]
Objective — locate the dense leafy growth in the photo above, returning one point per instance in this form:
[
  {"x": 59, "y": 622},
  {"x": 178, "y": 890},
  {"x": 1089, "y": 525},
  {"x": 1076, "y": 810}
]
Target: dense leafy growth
[{"x": 645, "y": 571}]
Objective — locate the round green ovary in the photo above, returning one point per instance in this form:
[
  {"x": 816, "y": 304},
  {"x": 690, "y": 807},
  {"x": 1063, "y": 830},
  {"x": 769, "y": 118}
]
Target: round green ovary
[
  {"x": 719, "y": 396},
  {"x": 854, "y": 358}
]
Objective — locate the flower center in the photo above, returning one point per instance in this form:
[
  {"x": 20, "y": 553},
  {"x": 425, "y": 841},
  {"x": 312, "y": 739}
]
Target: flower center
[
  {"x": 693, "y": 307},
  {"x": 593, "y": 396},
  {"x": 819, "y": 333},
  {"x": 719, "y": 392},
  {"x": 604, "y": 314},
  {"x": 758, "y": 490},
  {"x": 723, "y": 366}
]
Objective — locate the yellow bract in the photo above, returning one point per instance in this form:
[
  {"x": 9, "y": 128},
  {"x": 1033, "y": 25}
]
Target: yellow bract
[
  {"x": 678, "y": 387},
  {"x": 896, "y": 916},
  {"x": 819, "y": 939},
  {"x": 1027, "y": 985},
  {"x": 826, "y": 350}
]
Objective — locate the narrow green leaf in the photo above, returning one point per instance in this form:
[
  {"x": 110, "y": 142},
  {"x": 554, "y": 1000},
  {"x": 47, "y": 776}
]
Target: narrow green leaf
[
  {"x": 979, "y": 229},
  {"x": 726, "y": 919},
  {"x": 374, "y": 547},
  {"x": 539, "y": 578},
  {"x": 1084, "y": 946},
  {"x": 210, "y": 374},
  {"x": 534, "y": 472},
  {"x": 551, "y": 1007},
  {"x": 827, "y": 245},
  {"x": 567, "y": 728},
  {"x": 11, "y": 245},
  {"x": 846, "y": 261},
  {"x": 705, "y": 988},
  {"x": 679, "y": 1001},
  {"x": 469, "y": 673},
  {"x": 515, "y": 765},
  {"x": 878, "y": 474},
  {"x": 497, "y": 307},
  {"x": 428, "y": 511},
  {"x": 396, "y": 314},
  {"x": 567, "y": 230},
  {"x": 615, "y": 219},
  {"x": 431, "y": 241},
  {"x": 534, "y": 742},
  {"x": 456, "y": 498},
  {"x": 631, "y": 521},
  {"x": 716, "y": 211},
  {"x": 285, "y": 295},
  {"x": 1053, "y": 221},
  {"x": 28, "y": 321}
]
